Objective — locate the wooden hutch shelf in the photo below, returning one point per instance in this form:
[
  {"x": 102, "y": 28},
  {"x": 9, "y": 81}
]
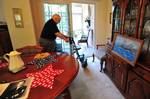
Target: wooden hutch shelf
[{"x": 131, "y": 18}]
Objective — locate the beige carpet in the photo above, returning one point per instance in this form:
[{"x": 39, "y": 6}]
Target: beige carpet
[{"x": 92, "y": 84}]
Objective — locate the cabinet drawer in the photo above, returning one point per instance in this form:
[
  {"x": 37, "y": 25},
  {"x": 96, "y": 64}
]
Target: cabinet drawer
[{"x": 142, "y": 73}]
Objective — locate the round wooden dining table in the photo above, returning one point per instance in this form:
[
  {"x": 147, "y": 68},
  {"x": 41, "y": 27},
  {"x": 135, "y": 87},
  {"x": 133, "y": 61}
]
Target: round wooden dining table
[{"x": 64, "y": 61}]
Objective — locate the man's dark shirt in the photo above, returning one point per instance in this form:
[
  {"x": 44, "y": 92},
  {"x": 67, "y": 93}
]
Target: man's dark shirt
[{"x": 49, "y": 30}]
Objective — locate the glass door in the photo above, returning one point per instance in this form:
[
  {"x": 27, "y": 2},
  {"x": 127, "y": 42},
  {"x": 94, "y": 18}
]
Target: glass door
[
  {"x": 62, "y": 10},
  {"x": 82, "y": 21},
  {"x": 116, "y": 27},
  {"x": 131, "y": 17},
  {"x": 145, "y": 30}
]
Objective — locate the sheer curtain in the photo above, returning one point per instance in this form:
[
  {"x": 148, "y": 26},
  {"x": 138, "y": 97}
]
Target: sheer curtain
[{"x": 37, "y": 15}]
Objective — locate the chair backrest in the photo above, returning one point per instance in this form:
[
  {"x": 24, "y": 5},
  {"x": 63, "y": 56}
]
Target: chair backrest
[{"x": 84, "y": 38}]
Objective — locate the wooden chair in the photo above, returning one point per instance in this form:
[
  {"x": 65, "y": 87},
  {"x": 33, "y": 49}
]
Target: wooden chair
[
  {"x": 99, "y": 52},
  {"x": 84, "y": 38}
]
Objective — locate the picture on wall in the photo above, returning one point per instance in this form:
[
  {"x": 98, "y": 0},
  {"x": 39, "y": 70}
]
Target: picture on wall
[
  {"x": 18, "y": 19},
  {"x": 127, "y": 48}
]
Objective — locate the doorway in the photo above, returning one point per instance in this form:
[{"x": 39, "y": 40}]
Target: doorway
[
  {"x": 80, "y": 14},
  {"x": 83, "y": 19}
]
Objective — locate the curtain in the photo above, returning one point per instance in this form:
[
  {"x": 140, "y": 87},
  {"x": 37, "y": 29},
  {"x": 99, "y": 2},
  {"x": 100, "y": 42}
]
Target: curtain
[{"x": 37, "y": 16}]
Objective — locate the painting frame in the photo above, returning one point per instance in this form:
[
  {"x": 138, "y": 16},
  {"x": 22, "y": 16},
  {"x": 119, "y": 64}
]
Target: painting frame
[
  {"x": 127, "y": 48},
  {"x": 18, "y": 19}
]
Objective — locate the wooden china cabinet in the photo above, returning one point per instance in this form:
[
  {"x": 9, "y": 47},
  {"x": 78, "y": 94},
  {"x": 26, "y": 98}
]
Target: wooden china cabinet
[
  {"x": 109, "y": 62},
  {"x": 131, "y": 18},
  {"x": 119, "y": 73}
]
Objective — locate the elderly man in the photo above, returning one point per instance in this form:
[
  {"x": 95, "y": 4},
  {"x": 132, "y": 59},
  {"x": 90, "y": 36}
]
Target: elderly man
[{"x": 49, "y": 34}]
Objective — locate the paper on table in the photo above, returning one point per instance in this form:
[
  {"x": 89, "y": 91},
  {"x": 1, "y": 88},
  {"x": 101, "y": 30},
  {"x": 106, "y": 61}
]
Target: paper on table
[
  {"x": 27, "y": 83},
  {"x": 3, "y": 87}
]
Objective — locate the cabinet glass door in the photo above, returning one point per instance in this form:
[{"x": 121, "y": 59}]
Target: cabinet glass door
[
  {"x": 131, "y": 19},
  {"x": 116, "y": 28},
  {"x": 145, "y": 35},
  {"x": 116, "y": 19}
]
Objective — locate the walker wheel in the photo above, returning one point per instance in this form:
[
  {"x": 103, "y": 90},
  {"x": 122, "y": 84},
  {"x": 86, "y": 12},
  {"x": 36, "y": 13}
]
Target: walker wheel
[{"x": 84, "y": 63}]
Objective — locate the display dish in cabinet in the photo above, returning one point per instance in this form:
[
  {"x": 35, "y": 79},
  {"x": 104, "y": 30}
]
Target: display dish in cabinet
[
  {"x": 132, "y": 12},
  {"x": 144, "y": 31},
  {"x": 146, "y": 28}
]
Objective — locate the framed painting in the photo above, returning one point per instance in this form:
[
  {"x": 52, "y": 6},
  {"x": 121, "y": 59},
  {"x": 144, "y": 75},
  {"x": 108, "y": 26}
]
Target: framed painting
[
  {"x": 127, "y": 48},
  {"x": 17, "y": 13}
]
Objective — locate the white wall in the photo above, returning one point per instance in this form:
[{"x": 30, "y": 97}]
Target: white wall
[
  {"x": 2, "y": 17},
  {"x": 20, "y": 36},
  {"x": 100, "y": 29},
  {"x": 103, "y": 25},
  {"x": 109, "y": 19}
]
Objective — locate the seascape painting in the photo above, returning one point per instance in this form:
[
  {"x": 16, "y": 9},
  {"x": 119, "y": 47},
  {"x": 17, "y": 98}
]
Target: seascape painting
[{"x": 127, "y": 48}]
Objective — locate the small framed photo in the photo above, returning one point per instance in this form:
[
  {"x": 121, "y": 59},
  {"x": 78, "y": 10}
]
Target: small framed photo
[{"x": 17, "y": 13}]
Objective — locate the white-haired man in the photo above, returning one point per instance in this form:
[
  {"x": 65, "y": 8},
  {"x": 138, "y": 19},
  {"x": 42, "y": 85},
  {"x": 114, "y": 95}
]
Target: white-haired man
[{"x": 49, "y": 34}]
